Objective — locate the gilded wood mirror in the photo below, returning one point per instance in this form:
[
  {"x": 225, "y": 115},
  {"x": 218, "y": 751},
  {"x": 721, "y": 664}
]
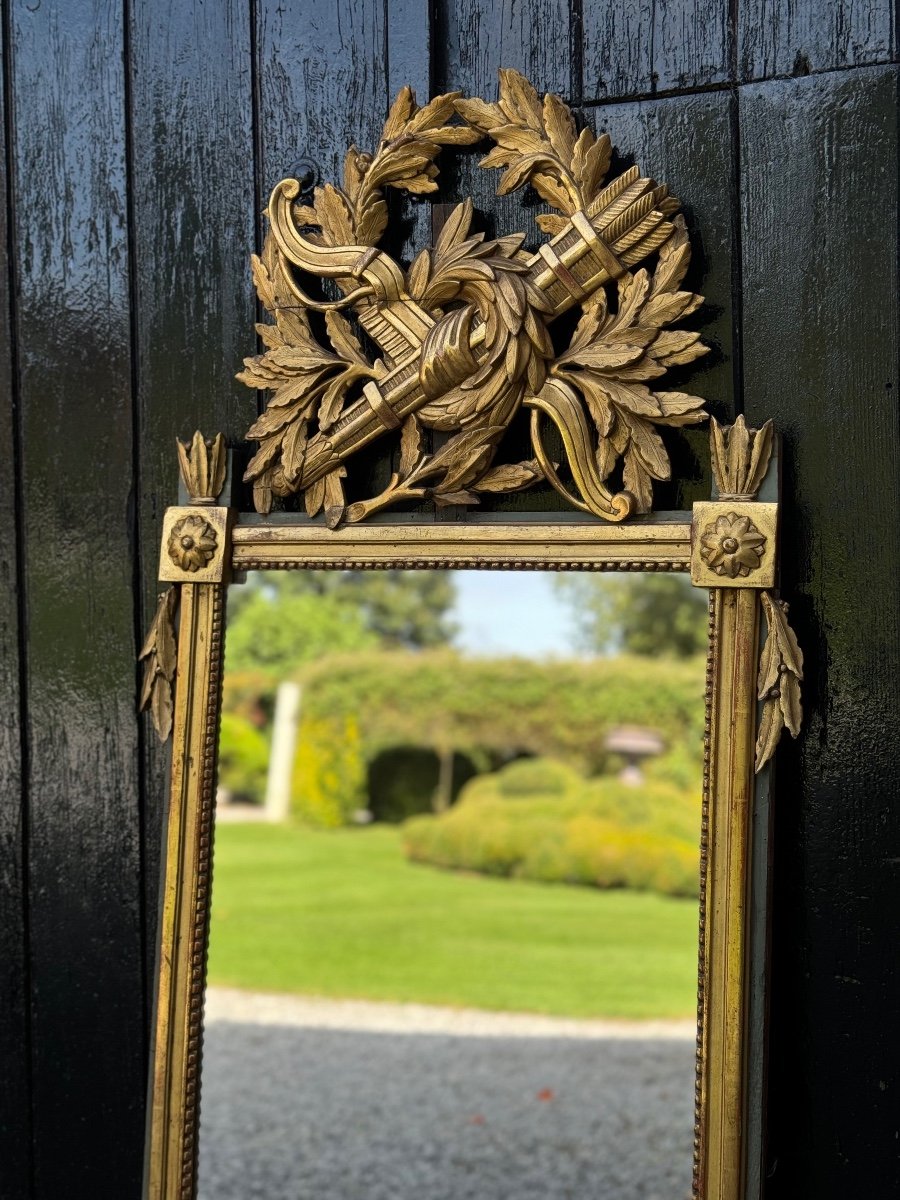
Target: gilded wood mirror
[{"x": 436, "y": 362}]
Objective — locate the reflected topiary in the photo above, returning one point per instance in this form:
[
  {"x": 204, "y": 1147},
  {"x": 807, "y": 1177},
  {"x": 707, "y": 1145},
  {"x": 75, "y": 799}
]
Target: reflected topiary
[{"x": 536, "y": 777}]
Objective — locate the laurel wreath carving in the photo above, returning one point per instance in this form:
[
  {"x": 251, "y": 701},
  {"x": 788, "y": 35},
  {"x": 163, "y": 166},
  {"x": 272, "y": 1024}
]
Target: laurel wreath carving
[{"x": 622, "y": 346}]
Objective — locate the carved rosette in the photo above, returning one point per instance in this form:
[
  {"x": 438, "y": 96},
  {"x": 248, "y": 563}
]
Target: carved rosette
[
  {"x": 732, "y": 546},
  {"x": 195, "y": 540},
  {"x": 192, "y": 543}
]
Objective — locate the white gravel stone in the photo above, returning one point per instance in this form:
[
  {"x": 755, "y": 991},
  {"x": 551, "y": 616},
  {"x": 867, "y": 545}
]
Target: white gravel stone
[
  {"x": 372, "y": 1016},
  {"x": 350, "y": 1100}
]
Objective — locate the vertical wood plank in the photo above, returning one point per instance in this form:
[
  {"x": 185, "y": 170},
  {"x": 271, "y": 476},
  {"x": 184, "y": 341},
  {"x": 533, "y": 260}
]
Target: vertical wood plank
[
  {"x": 71, "y": 251},
  {"x": 686, "y": 143},
  {"x": 475, "y": 38},
  {"x": 795, "y": 37},
  {"x": 409, "y": 61},
  {"x": 636, "y": 47},
  {"x": 323, "y": 83},
  {"x": 15, "y": 1131},
  {"x": 819, "y": 202},
  {"x": 409, "y": 47},
  {"x": 193, "y": 199}
]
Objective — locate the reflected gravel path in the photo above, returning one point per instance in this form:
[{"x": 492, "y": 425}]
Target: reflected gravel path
[{"x": 307, "y": 1100}]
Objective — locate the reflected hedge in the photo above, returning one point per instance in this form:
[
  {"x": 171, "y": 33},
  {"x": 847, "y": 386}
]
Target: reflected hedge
[{"x": 492, "y": 710}]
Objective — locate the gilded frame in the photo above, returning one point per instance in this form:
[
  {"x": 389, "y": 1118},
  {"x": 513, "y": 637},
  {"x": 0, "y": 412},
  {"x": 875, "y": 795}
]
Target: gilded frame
[
  {"x": 462, "y": 346},
  {"x": 741, "y": 713}
]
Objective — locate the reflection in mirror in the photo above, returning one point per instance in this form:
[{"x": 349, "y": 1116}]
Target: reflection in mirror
[{"x": 453, "y": 945}]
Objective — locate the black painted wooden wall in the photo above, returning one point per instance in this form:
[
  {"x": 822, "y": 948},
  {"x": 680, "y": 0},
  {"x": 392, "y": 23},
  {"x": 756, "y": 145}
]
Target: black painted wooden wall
[{"x": 140, "y": 139}]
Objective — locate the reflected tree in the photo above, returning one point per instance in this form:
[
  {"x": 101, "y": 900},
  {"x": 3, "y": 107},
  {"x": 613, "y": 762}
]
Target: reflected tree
[{"x": 660, "y": 616}]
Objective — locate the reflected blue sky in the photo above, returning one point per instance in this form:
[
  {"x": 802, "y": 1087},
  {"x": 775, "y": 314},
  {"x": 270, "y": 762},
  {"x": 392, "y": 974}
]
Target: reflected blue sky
[{"x": 512, "y": 612}]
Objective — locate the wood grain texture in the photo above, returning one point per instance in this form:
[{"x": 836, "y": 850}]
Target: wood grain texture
[
  {"x": 475, "y": 38},
  {"x": 171, "y": 293},
  {"x": 795, "y": 37},
  {"x": 323, "y": 83},
  {"x": 819, "y": 202},
  {"x": 88, "y": 1062},
  {"x": 686, "y": 143},
  {"x": 193, "y": 199},
  {"x": 637, "y": 47},
  {"x": 409, "y": 57},
  {"x": 15, "y": 1083}
]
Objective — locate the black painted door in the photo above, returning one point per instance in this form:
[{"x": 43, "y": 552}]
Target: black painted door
[{"x": 139, "y": 142}]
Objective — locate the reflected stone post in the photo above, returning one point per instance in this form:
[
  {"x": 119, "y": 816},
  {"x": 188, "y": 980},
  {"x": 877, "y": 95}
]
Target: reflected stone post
[{"x": 281, "y": 759}]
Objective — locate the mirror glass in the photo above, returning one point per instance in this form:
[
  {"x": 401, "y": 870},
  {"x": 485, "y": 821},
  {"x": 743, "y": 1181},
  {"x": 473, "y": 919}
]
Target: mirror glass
[{"x": 453, "y": 946}]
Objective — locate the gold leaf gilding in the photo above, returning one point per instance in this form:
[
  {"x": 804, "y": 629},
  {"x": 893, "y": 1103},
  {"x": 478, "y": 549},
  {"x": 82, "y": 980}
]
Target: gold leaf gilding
[{"x": 469, "y": 320}]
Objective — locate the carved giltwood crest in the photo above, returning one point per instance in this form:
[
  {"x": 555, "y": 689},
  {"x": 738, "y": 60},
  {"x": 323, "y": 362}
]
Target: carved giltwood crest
[{"x": 463, "y": 333}]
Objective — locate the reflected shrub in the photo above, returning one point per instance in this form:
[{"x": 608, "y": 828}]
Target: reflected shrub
[
  {"x": 598, "y": 832},
  {"x": 329, "y": 782},
  {"x": 243, "y": 758}
]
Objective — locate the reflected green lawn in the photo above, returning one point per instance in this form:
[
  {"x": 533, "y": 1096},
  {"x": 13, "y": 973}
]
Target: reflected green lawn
[{"x": 343, "y": 914}]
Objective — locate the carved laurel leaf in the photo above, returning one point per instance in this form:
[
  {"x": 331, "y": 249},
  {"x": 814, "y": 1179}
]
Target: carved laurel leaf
[
  {"x": 159, "y": 654},
  {"x": 401, "y": 110},
  {"x": 591, "y": 158},
  {"x": 780, "y": 675},
  {"x": 306, "y": 381},
  {"x": 560, "y": 126},
  {"x": 293, "y": 450},
  {"x": 613, "y": 355},
  {"x": 310, "y": 388},
  {"x": 536, "y": 142},
  {"x": 291, "y": 323},
  {"x": 410, "y": 141},
  {"x": 614, "y": 358},
  {"x": 510, "y": 477},
  {"x": 551, "y": 223},
  {"x": 418, "y": 275},
  {"x": 314, "y": 497},
  {"x": 335, "y": 216},
  {"x": 344, "y": 340},
  {"x": 262, "y": 281},
  {"x": 410, "y": 445}
]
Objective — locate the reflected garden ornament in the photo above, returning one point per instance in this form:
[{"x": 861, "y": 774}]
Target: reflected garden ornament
[{"x": 463, "y": 333}]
